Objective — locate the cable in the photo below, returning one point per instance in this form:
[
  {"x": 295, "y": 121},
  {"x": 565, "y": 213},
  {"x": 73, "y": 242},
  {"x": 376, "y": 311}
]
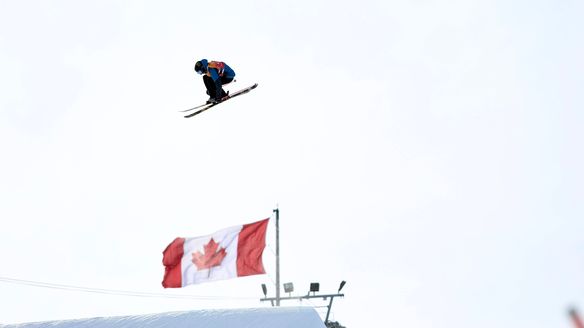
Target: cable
[{"x": 116, "y": 292}]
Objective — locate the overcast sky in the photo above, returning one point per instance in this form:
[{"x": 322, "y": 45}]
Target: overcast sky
[{"x": 427, "y": 152}]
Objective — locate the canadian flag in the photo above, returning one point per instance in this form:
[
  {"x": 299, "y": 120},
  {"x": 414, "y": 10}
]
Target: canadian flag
[{"x": 228, "y": 253}]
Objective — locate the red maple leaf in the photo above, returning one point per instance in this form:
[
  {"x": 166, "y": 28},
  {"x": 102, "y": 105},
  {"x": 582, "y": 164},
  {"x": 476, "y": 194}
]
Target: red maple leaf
[{"x": 211, "y": 258}]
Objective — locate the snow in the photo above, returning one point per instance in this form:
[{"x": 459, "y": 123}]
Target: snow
[{"x": 276, "y": 317}]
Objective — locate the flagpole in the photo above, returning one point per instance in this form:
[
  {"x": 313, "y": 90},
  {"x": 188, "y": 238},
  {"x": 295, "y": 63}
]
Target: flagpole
[{"x": 277, "y": 211}]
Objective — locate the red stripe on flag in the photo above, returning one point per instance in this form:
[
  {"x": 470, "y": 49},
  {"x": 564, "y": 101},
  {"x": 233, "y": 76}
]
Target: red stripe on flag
[
  {"x": 171, "y": 259},
  {"x": 250, "y": 247},
  {"x": 576, "y": 318}
]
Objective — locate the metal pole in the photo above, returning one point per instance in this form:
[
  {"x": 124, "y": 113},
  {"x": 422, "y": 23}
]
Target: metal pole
[
  {"x": 277, "y": 211},
  {"x": 329, "y": 310}
]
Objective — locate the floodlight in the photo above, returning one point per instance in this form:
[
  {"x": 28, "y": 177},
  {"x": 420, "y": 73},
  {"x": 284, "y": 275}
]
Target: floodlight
[
  {"x": 341, "y": 286},
  {"x": 314, "y": 287},
  {"x": 288, "y": 287},
  {"x": 265, "y": 290}
]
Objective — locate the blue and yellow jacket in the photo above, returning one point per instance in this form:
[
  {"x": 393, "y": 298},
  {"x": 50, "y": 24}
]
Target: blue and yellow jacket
[{"x": 217, "y": 69}]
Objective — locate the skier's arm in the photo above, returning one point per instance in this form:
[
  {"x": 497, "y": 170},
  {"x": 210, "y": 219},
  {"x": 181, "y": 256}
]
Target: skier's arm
[{"x": 213, "y": 74}]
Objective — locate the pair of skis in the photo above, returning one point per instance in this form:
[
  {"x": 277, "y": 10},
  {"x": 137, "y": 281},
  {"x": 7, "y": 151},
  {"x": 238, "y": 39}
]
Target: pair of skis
[{"x": 201, "y": 108}]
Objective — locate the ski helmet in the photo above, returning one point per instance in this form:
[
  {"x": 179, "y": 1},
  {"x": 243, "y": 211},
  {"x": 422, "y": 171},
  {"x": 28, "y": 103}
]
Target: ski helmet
[{"x": 201, "y": 66}]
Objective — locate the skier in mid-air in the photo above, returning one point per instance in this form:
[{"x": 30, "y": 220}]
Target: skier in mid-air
[{"x": 215, "y": 75}]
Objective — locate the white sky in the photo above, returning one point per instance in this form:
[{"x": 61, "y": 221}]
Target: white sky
[{"x": 428, "y": 153}]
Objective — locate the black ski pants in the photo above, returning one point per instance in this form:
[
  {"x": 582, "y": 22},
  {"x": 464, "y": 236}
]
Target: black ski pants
[{"x": 215, "y": 88}]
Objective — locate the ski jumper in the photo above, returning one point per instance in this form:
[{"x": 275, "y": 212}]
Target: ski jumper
[{"x": 215, "y": 75}]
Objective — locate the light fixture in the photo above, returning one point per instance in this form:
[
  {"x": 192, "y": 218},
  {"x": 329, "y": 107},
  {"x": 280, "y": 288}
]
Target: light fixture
[
  {"x": 341, "y": 286},
  {"x": 288, "y": 287},
  {"x": 314, "y": 287}
]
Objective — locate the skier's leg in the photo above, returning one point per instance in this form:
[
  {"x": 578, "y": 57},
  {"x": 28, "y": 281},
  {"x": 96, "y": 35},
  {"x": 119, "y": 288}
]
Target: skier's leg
[
  {"x": 210, "y": 85},
  {"x": 219, "y": 92},
  {"x": 225, "y": 80}
]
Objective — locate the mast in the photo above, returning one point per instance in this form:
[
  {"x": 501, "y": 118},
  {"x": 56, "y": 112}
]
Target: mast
[{"x": 277, "y": 211}]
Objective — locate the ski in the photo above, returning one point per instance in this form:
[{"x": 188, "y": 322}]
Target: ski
[
  {"x": 205, "y": 107},
  {"x": 196, "y": 107}
]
